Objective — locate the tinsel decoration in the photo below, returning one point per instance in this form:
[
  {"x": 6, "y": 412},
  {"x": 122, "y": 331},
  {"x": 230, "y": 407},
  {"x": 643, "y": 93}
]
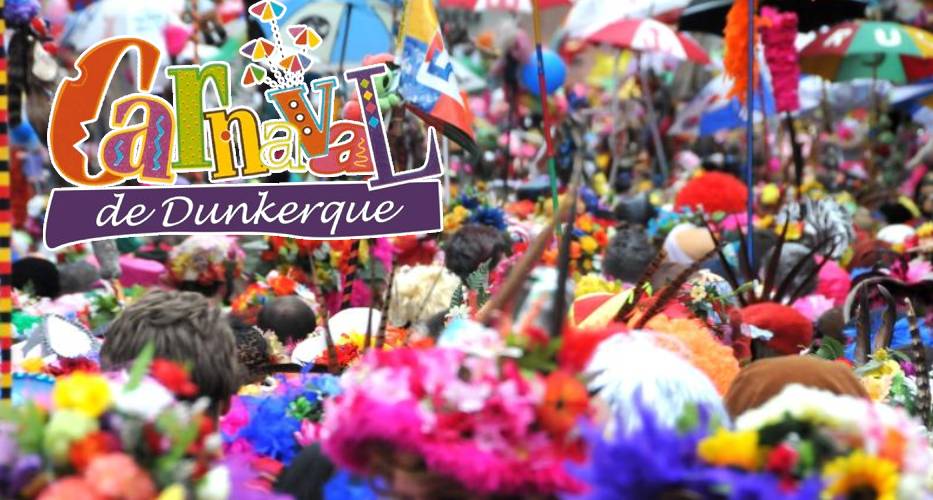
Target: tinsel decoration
[
  {"x": 778, "y": 32},
  {"x": 735, "y": 58}
]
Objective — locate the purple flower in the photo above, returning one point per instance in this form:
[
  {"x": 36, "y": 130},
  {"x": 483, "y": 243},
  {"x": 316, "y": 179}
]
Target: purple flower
[{"x": 20, "y": 12}]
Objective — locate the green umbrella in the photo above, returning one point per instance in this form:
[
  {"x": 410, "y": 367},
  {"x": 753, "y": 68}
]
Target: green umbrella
[{"x": 870, "y": 49}]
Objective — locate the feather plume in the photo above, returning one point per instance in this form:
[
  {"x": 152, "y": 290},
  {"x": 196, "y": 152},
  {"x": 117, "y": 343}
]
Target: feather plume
[{"x": 670, "y": 290}]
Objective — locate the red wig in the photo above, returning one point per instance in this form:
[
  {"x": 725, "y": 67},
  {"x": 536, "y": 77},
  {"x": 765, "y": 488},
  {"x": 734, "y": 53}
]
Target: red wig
[
  {"x": 792, "y": 330},
  {"x": 715, "y": 192}
]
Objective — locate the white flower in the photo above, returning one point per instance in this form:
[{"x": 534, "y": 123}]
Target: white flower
[
  {"x": 215, "y": 485},
  {"x": 147, "y": 400}
]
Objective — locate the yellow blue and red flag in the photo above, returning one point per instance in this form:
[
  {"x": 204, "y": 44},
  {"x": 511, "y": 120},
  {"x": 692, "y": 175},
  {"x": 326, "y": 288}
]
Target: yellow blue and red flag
[{"x": 427, "y": 80}]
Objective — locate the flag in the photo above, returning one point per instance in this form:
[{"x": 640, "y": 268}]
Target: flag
[{"x": 427, "y": 81}]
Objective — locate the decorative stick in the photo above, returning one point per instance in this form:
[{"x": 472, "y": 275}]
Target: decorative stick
[
  {"x": 353, "y": 258},
  {"x": 545, "y": 111}
]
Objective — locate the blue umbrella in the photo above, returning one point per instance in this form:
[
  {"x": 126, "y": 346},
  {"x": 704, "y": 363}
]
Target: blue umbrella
[
  {"x": 711, "y": 111},
  {"x": 350, "y": 29}
]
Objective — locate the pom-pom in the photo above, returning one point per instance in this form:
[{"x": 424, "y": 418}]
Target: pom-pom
[
  {"x": 714, "y": 192},
  {"x": 778, "y": 35},
  {"x": 20, "y": 12},
  {"x": 792, "y": 330}
]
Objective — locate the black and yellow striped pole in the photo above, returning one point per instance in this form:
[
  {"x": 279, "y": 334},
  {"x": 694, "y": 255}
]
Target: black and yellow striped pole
[{"x": 6, "y": 228}]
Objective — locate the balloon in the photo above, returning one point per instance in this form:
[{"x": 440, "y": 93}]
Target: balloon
[{"x": 555, "y": 72}]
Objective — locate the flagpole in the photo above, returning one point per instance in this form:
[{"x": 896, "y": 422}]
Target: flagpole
[{"x": 545, "y": 112}]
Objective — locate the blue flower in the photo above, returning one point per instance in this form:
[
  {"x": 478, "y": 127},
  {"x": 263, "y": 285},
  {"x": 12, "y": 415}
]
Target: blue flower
[
  {"x": 489, "y": 216},
  {"x": 469, "y": 202},
  {"x": 270, "y": 430}
]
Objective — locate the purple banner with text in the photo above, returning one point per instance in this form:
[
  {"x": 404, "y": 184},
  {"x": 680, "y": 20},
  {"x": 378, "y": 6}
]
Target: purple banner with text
[{"x": 330, "y": 210}]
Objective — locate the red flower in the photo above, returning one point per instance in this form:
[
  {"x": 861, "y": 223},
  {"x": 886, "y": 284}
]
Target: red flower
[
  {"x": 174, "y": 377},
  {"x": 65, "y": 366},
  {"x": 84, "y": 450},
  {"x": 283, "y": 285},
  {"x": 565, "y": 400},
  {"x": 781, "y": 459}
]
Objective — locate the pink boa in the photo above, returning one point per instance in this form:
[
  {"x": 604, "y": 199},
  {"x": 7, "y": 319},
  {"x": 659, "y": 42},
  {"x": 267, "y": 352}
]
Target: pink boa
[{"x": 778, "y": 35}]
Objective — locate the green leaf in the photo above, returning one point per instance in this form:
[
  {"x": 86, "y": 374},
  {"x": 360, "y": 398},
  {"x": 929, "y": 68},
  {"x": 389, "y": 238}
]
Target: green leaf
[
  {"x": 140, "y": 366},
  {"x": 830, "y": 349}
]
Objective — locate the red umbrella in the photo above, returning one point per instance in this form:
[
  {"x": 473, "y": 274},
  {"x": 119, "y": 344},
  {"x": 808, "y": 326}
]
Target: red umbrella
[
  {"x": 650, "y": 36},
  {"x": 523, "y": 6}
]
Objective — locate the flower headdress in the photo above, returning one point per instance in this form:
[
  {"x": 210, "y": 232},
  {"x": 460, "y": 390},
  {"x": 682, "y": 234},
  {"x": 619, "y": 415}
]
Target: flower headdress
[{"x": 470, "y": 419}]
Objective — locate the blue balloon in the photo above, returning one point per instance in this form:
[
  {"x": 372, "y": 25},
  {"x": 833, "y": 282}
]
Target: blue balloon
[{"x": 555, "y": 73}]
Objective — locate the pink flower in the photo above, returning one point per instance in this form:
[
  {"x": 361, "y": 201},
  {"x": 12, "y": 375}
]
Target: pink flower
[
  {"x": 117, "y": 476},
  {"x": 833, "y": 283},
  {"x": 917, "y": 270},
  {"x": 813, "y": 306},
  {"x": 236, "y": 418},
  {"x": 308, "y": 434},
  {"x": 70, "y": 488}
]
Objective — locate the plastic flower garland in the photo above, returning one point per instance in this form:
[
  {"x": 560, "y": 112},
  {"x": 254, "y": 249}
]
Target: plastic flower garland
[
  {"x": 852, "y": 444},
  {"x": 471, "y": 419},
  {"x": 116, "y": 436},
  {"x": 275, "y": 425},
  {"x": 248, "y": 304},
  {"x": 202, "y": 259}
]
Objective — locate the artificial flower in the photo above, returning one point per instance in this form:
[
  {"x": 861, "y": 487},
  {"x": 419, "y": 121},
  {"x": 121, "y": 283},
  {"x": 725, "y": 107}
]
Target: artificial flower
[
  {"x": 117, "y": 476},
  {"x": 861, "y": 474},
  {"x": 70, "y": 488},
  {"x": 64, "y": 428},
  {"x": 83, "y": 392},
  {"x": 731, "y": 449},
  {"x": 173, "y": 377}
]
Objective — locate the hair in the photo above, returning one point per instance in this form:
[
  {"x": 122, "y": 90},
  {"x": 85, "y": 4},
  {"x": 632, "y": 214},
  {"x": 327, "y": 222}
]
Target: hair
[
  {"x": 472, "y": 245},
  {"x": 252, "y": 350},
  {"x": 628, "y": 254},
  {"x": 38, "y": 274},
  {"x": 290, "y": 317},
  {"x": 183, "y": 327}
]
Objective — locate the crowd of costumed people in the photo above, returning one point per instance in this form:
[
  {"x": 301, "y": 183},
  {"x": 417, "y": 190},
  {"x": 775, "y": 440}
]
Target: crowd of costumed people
[{"x": 660, "y": 275}]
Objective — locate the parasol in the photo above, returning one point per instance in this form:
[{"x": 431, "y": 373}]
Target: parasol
[
  {"x": 870, "y": 49},
  {"x": 589, "y": 16},
  {"x": 518, "y": 6},
  {"x": 709, "y": 16}
]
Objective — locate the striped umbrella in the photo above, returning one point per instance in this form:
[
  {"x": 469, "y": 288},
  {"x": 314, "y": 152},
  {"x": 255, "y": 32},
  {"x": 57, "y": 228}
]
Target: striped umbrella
[
  {"x": 522, "y": 6},
  {"x": 649, "y": 36},
  {"x": 589, "y": 16},
  {"x": 870, "y": 49}
]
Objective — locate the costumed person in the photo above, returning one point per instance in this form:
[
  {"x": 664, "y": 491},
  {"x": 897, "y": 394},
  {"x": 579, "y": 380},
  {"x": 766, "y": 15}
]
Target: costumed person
[
  {"x": 289, "y": 317},
  {"x": 472, "y": 246},
  {"x": 183, "y": 327}
]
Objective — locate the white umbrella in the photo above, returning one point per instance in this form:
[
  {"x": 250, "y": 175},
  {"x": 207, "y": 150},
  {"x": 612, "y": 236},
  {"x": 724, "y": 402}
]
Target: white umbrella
[
  {"x": 111, "y": 18},
  {"x": 588, "y": 16}
]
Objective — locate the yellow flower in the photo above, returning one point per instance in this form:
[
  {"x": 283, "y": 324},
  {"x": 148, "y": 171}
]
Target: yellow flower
[
  {"x": 594, "y": 283},
  {"x": 794, "y": 231},
  {"x": 600, "y": 184},
  {"x": 698, "y": 293},
  {"x": 585, "y": 223},
  {"x": 602, "y": 160},
  {"x": 731, "y": 449},
  {"x": 764, "y": 222},
  {"x": 173, "y": 492},
  {"x": 32, "y": 365},
  {"x": 859, "y": 472},
  {"x": 771, "y": 194},
  {"x": 877, "y": 387},
  {"x": 898, "y": 247},
  {"x": 588, "y": 244},
  {"x": 85, "y": 393},
  {"x": 925, "y": 230}
]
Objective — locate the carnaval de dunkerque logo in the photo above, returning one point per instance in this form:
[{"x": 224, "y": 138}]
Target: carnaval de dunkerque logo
[{"x": 151, "y": 141}]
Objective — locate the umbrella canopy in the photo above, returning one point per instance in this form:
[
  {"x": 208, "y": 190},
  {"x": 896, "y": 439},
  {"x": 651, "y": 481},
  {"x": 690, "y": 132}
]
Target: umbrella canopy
[
  {"x": 369, "y": 21},
  {"x": 709, "y": 16},
  {"x": 648, "y": 35},
  {"x": 711, "y": 111},
  {"x": 588, "y": 16},
  {"x": 523, "y": 6},
  {"x": 870, "y": 49}
]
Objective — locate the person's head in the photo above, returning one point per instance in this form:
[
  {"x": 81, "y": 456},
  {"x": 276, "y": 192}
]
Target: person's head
[
  {"x": 38, "y": 275},
  {"x": 290, "y": 317},
  {"x": 628, "y": 254},
  {"x": 762, "y": 380},
  {"x": 183, "y": 327},
  {"x": 472, "y": 245},
  {"x": 251, "y": 348}
]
